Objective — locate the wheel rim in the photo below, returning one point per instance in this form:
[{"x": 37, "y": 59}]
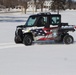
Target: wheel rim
[
  {"x": 28, "y": 40},
  {"x": 69, "y": 40}
]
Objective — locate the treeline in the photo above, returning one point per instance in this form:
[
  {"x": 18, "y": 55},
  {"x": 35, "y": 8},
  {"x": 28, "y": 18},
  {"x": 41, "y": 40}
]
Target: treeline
[
  {"x": 54, "y": 4},
  {"x": 62, "y": 5}
]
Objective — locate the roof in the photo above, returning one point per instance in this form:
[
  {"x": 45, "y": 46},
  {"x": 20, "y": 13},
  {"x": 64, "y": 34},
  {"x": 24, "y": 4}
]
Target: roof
[{"x": 45, "y": 14}]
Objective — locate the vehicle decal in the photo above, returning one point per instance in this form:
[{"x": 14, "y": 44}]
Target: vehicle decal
[{"x": 43, "y": 34}]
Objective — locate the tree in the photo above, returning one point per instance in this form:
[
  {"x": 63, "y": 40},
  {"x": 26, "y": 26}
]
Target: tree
[
  {"x": 35, "y": 3},
  {"x": 9, "y": 3},
  {"x": 24, "y": 3},
  {"x": 1, "y": 2},
  {"x": 41, "y": 2},
  {"x": 69, "y": 4},
  {"x": 58, "y": 5}
]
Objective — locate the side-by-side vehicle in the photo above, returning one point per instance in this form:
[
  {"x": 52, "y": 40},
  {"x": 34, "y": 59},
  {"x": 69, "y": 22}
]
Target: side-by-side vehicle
[{"x": 44, "y": 26}]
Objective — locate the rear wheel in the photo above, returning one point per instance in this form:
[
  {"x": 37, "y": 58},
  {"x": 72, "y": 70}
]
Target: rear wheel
[
  {"x": 27, "y": 40},
  {"x": 60, "y": 38},
  {"x": 68, "y": 39}
]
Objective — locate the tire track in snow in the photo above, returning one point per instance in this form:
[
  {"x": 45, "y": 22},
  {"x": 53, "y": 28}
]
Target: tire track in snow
[{"x": 9, "y": 45}]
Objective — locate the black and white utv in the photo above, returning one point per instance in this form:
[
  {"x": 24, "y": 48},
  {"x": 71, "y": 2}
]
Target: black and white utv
[{"x": 44, "y": 26}]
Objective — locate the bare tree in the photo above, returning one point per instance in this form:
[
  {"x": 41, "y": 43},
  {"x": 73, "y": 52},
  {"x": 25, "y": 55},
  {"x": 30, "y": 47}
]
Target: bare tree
[
  {"x": 58, "y": 5},
  {"x": 41, "y": 2},
  {"x": 9, "y": 3},
  {"x": 35, "y": 3},
  {"x": 1, "y": 2},
  {"x": 24, "y": 3},
  {"x": 69, "y": 4}
]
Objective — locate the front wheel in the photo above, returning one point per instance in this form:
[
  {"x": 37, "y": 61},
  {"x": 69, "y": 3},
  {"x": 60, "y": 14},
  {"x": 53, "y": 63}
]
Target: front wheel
[
  {"x": 17, "y": 40},
  {"x": 68, "y": 39},
  {"x": 27, "y": 40}
]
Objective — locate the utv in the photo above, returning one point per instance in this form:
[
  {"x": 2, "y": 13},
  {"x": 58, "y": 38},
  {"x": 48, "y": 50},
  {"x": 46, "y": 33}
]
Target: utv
[{"x": 44, "y": 26}]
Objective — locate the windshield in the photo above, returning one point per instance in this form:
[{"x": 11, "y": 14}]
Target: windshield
[{"x": 31, "y": 21}]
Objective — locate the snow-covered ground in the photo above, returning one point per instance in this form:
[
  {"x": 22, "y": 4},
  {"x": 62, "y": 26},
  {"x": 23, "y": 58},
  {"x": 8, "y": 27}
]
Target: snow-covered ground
[{"x": 38, "y": 59}]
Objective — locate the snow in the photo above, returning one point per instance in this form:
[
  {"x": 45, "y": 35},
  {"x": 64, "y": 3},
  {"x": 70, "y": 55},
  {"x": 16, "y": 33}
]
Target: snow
[{"x": 38, "y": 59}]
